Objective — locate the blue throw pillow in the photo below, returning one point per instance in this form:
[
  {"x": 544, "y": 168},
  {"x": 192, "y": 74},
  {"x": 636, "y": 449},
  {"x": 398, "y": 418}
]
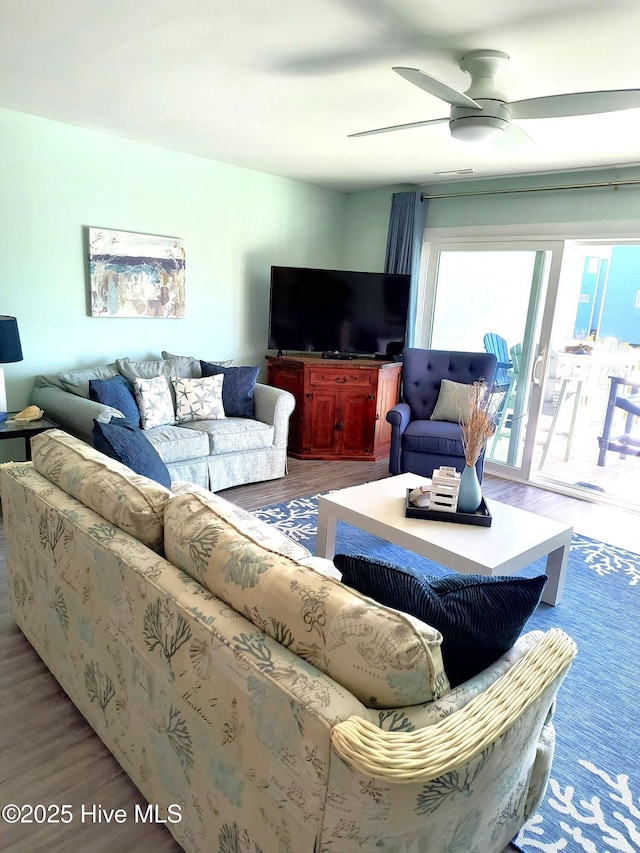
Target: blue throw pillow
[
  {"x": 479, "y": 617},
  {"x": 122, "y": 440},
  {"x": 237, "y": 388},
  {"x": 118, "y": 393}
]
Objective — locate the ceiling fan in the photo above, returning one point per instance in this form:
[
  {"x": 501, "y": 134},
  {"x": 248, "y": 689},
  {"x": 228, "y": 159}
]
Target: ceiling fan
[{"x": 483, "y": 112}]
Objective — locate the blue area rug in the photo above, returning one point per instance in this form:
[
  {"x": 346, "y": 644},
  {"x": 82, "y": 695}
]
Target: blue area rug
[{"x": 592, "y": 803}]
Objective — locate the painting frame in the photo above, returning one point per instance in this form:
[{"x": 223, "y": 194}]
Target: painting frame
[{"x": 132, "y": 274}]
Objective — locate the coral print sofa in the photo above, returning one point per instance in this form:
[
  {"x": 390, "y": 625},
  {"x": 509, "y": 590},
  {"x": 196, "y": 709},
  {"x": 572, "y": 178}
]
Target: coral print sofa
[
  {"x": 244, "y": 688},
  {"x": 210, "y": 422}
]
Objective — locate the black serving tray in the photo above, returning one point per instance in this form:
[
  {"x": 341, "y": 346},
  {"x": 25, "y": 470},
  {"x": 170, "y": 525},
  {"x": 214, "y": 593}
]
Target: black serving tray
[{"x": 481, "y": 517}]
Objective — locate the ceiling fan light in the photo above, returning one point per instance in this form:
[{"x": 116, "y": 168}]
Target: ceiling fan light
[{"x": 478, "y": 128}]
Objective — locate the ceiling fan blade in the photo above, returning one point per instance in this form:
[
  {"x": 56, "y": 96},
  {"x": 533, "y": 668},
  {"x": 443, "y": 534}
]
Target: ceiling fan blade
[
  {"x": 576, "y": 104},
  {"x": 398, "y": 127},
  {"x": 437, "y": 87}
]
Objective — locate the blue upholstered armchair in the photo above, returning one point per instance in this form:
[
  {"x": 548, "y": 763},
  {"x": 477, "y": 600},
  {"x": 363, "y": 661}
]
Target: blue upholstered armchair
[{"x": 419, "y": 444}]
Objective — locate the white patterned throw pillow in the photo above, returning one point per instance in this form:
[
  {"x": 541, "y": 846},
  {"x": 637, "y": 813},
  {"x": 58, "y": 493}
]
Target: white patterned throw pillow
[
  {"x": 199, "y": 399},
  {"x": 153, "y": 397}
]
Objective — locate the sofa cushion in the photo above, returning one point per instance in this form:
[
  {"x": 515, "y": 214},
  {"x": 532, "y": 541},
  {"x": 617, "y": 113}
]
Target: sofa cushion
[
  {"x": 188, "y": 365},
  {"x": 454, "y": 400},
  {"x": 233, "y": 435},
  {"x": 245, "y": 522},
  {"x": 176, "y": 444},
  {"x": 77, "y": 381},
  {"x": 479, "y": 617},
  {"x": 198, "y": 399},
  {"x": 385, "y": 658},
  {"x": 155, "y": 403},
  {"x": 237, "y": 391},
  {"x": 433, "y": 437},
  {"x": 190, "y": 362},
  {"x": 117, "y": 393},
  {"x": 133, "y": 503},
  {"x": 125, "y": 441},
  {"x": 150, "y": 369}
]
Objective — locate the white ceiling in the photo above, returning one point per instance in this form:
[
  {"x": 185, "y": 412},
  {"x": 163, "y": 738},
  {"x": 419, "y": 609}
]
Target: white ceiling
[{"x": 276, "y": 85}]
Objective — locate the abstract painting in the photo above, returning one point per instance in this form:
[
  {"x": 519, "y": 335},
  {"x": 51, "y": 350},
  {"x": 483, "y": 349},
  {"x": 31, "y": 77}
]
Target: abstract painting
[{"x": 136, "y": 275}]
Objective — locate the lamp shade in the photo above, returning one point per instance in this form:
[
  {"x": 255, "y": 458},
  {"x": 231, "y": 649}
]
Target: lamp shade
[{"x": 10, "y": 348}]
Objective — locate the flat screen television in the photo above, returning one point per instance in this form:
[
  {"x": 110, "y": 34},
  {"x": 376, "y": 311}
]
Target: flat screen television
[{"x": 326, "y": 311}]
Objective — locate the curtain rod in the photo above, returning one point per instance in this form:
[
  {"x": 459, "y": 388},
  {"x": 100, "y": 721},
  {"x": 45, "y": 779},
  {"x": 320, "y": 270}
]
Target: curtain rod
[{"x": 614, "y": 184}]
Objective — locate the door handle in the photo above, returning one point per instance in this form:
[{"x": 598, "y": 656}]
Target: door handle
[{"x": 537, "y": 367}]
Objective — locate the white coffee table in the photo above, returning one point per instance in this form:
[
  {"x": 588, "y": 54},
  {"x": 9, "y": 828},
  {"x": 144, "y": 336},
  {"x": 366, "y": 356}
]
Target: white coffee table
[{"x": 515, "y": 539}]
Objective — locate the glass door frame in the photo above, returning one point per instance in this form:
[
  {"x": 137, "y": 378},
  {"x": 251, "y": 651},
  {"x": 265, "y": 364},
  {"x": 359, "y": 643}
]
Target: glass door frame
[{"x": 539, "y": 323}]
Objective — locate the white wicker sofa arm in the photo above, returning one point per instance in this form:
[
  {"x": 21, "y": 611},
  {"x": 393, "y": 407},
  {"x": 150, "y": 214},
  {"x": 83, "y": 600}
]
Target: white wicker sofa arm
[{"x": 427, "y": 753}]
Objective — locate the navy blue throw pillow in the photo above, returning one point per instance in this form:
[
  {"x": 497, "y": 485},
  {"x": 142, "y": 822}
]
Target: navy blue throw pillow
[
  {"x": 115, "y": 392},
  {"x": 237, "y": 388},
  {"x": 479, "y": 617},
  {"x": 122, "y": 440}
]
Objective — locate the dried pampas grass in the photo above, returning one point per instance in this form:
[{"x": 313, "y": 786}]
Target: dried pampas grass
[{"x": 478, "y": 424}]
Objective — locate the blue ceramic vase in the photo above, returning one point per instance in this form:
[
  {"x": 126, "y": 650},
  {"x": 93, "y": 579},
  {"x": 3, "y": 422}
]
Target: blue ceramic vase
[{"x": 470, "y": 493}]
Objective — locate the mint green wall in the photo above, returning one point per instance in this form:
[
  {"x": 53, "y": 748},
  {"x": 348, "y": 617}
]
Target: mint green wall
[
  {"x": 366, "y": 233},
  {"x": 55, "y": 179},
  {"x": 556, "y": 206}
]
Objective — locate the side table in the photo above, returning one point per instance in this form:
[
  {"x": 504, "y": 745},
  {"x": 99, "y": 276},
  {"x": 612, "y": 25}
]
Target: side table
[{"x": 11, "y": 429}]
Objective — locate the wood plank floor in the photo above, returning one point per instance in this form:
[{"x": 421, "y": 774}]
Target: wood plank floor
[{"x": 49, "y": 755}]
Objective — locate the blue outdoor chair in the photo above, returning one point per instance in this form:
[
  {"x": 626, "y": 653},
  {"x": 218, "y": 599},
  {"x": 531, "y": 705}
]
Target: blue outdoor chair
[
  {"x": 497, "y": 345},
  {"x": 625, "y": 444},
  {"x": 505, "y": 411},
  {"x": 418, "y": 444}
]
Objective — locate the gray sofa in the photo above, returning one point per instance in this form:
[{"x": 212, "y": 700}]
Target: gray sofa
[{"x": 215, "y": 454}]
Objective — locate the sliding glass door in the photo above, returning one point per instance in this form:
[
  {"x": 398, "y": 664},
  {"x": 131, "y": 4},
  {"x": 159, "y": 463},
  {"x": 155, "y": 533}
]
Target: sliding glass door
[
  {"x": 595, "y": 336},
  {"x": 567, "y": 315},
  {"x": 497, "y": 297}
]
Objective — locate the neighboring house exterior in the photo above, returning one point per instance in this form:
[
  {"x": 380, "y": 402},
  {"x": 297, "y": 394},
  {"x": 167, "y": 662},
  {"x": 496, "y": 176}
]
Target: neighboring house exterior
[{"x": 609, "y": 305}]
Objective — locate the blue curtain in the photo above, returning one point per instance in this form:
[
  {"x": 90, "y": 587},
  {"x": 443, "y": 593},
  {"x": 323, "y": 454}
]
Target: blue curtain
[{"x": 404, "y": 246}]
